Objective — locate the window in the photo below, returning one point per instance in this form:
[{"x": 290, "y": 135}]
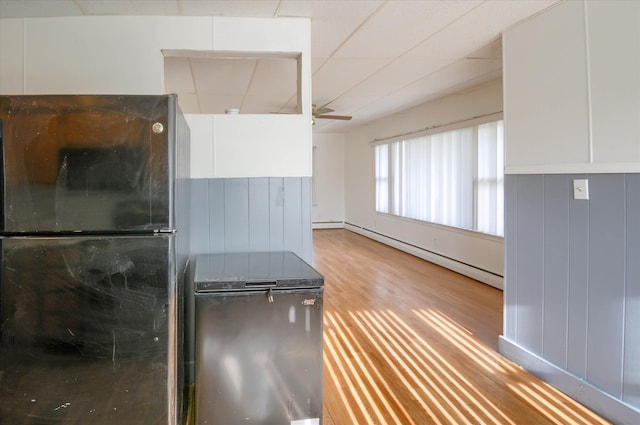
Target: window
[{"x": 453, "y": 178}]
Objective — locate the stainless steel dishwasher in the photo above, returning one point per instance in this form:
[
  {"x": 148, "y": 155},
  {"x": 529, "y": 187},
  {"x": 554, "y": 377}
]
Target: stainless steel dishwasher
[{"x": 258, "y": 337}]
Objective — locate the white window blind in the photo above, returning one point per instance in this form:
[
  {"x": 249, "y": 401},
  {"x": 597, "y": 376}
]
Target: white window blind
[
  {"x": 382, "y": 179},
  {"x": 490, "y": 179},
  {"x": 453, "y": 178}
]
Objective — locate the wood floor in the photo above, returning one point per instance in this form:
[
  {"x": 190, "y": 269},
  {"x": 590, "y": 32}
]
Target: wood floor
[{"x": 407, "y": 342}]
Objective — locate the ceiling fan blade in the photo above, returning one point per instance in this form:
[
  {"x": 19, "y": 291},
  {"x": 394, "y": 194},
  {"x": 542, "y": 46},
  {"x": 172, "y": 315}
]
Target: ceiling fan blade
[
  {"x": 334, "y": 117},
  {"x": 322, "y": 111}
]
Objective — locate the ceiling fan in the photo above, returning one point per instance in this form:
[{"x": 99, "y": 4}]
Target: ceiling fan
[{"x": 325, "y": 113}]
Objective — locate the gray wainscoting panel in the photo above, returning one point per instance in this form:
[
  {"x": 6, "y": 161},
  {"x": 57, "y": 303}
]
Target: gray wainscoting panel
[
  {"x": 556, "y": 268},
  {"x": 572, "y": 282},
  {"x": 293, "y": 213},
  {"x": 259, "y": 214},
  {"x": 199, "y": 220},
  {"x": 251, "y": 214},
  {"x": 276, "y": 214},
  {"x": 578, "y": 284},
  {"x": 606, "y": 282},
  {"x": 631, "y": 372},
  {"x": 214, "y": 209},
  {"x": 530, "y": 262},
  {"x": 236, "y": 215}
]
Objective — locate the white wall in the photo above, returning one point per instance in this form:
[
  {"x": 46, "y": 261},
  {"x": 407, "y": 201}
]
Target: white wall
[
  {"x": 249, "y": 146},
  {"x": 572, "y": 92},
  {"x": 328, "y": 179},
  {"x": 437, "y": 243},
  {"x": 123, "y": 55}
]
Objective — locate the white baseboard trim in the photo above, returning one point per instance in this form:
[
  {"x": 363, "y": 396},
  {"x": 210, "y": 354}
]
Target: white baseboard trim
[
  {"x": 456, "y": 266},
  {"x": 605, "y": 405},
  {"x": 327, "y": 225}
]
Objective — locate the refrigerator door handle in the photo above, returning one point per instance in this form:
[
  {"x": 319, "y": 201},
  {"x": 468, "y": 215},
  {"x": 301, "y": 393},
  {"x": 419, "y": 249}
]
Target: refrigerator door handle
[{"x": 2, "y": 179}]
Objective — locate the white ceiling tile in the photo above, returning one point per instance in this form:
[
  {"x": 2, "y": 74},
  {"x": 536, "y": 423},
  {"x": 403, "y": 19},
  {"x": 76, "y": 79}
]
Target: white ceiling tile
[
  {"x": 223, "y": 76},
  {"x": 451, "y": 76},
  {"x": 291, "y": 107},
  {"x": 317, "y": 62},
  {"x": 395, "y": 75},
  {"x": 130, "y": 7},
  {"x": 491, "y": 51},
  {"x": 177, "y": 75},
  {"x": 331, "y": 21},
  {"x": 382, "y": 106},
  {"x": 262, "y": 105},
  {"x": 340, "y": 75},
  {"x": 276, "y": 79},
  {"x": 488, "y": 21},
  {"x": 189, "y": 103},
  {"x": 349, "y": 106},
  {"x": 38, "y": 8},
  {"x": 400, "y": 25},
  {"x": 216, "y": 104},
  {"x": 479, "y": 80},
  {"x": 238, "y": 8},
  {"x": 506, "y": 17}
]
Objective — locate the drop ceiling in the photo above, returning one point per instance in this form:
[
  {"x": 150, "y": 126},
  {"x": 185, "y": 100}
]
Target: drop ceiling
[{"x": 370, "y": 58}]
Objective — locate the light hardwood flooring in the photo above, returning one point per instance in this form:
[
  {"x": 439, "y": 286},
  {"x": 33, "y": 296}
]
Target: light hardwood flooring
[{"x": 407, "y": 342}]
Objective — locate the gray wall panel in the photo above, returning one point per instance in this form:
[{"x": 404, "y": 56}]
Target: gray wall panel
[
  {"x": 631, "y": 370},
  {"x": 252, "y": 214},
  {"x": 259, "y": 214},
  {"x": 199, "y": 222},
  {"x": 511, "y": 256},
  {"x": 606, "y": 282},
  {"x": 556, "y": 259},
  {"x": 577, "y": 263},
  {"x": 293, "y": 213},
  {"x": 236, "y": 215},
  {"x": 530, "y": 263},
  {"x": 276, "y": 213},
  {"x": 578, "y": 285},
  {"x": 214, "y": 210}
]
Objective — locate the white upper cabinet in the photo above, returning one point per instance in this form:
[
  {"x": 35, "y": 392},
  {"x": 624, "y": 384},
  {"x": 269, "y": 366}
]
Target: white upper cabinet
[{"x": 572, "y": 89}]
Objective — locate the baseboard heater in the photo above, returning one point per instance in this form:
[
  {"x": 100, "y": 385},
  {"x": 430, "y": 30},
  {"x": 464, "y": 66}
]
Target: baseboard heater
[
  {"x": 452, "y": 264},
  {"x": 327, "y": 225}
]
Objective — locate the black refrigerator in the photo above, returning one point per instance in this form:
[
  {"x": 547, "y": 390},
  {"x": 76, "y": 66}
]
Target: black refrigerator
[{"x": 94, "y": 243}]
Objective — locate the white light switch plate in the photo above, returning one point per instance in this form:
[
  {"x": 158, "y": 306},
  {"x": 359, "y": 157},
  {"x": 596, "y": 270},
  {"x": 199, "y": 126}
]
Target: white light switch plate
[{"x": 581, "y": 189}]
